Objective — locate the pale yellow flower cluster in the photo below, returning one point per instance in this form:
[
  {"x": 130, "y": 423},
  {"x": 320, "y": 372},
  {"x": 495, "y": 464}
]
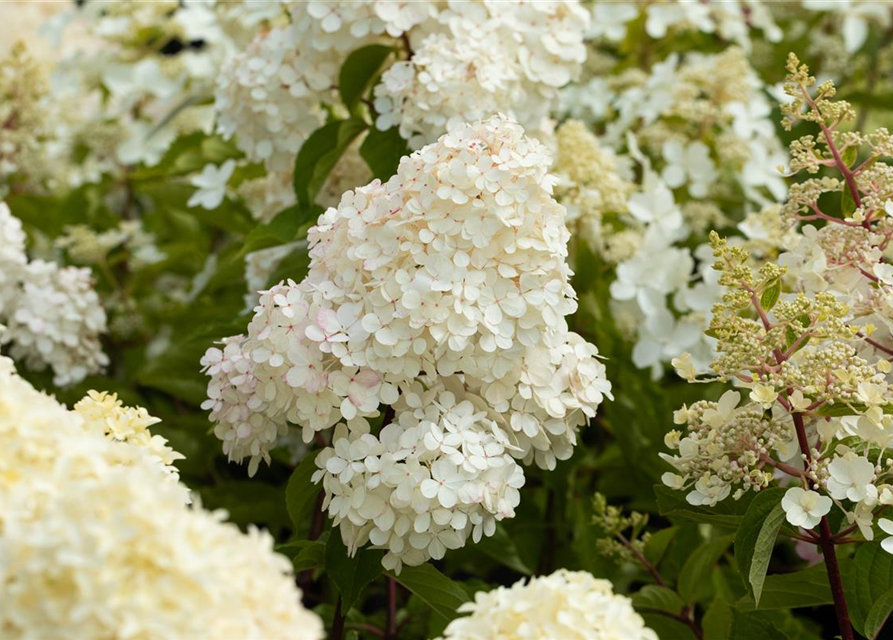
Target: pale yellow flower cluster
[
  {"x": 96, "y": 541},
  {"x": 589, "y": 186}
]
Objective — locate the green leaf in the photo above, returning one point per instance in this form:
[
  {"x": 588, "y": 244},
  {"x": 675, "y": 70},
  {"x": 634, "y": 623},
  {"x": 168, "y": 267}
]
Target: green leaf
[
  {"x": 319, "y": 153},
  {"x": 248, "y": 502},
  {"x": 697, "y": 569},
  {"x": 503, "y": 549},
  {"x": 717, "y": 622},
  {"x": 439, "y": 592},
  {"x": 808, "y": 588},
  {"x": 188, "y": 154},
  {"x": 177, "y": 370},
  {"x": 350, "y": 574},
  {"x": 293, "y": 266},
  {"x": 847, "y": 202},
  {"x": 657, "y": 544},
  {"x": 382, "y": 151},
  {"x": 850, "y": 155},
  {"x": 727, "y": 513},
  {"x": 875, "y": 99},
  {"x": 305, "y": 554},
  {"x": 867, "y": 583},
  {"x": 667, "y": 628},
  {"x": 755, "y": 539},
  {"x": 756, "y": 625},
  {"x": 359, "y": 71},
  {"x": 840, "y": 409},
  {"x": 301, "y": 493},
  {"x": 878, "y": 614},
  {"x": 280, "y": 230},
  {"x": 770, "y": 295},
  {"x": 657, "y": 598}
]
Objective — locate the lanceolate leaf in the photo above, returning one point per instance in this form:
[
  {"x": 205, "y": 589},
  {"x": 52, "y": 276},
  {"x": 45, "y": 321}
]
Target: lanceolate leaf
[
  {"x": 807, "y": 588},
  {"x": 770, "y": 295},
  {"x": 878, "y": 615},
  {"x": 657, "y": 544},
  {"x": 755, "y": 539},
  {"x": 840, "y": 409},
  {"x": 305, "y": 554}
]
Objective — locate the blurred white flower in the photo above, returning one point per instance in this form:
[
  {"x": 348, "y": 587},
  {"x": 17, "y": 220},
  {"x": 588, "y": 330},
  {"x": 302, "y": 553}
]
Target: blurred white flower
[
  {"x": 689, "y": 164},
  {"x": 211, "y": 185},
  {"x": 94, "y": 510}
]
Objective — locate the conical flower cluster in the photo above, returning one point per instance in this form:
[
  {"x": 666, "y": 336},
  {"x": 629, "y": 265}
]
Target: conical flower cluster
[{"x": 442, "y": 293}]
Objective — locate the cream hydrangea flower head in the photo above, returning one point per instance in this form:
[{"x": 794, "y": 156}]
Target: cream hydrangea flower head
[
  {"x": 97, "y": 542},
  {"x": 567, "y": 605},
  {"x": 442, "y": 293}
]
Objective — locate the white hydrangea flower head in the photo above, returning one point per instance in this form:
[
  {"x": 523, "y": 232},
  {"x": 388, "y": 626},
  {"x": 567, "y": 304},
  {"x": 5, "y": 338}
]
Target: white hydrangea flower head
[
  {"x": 53, "y": 316},
  {"x": 269, "y": 95},
  {"x": 857, "y": 16},
  {"x": 493, "y": 54},
  {"x": 12, "y": 256},
  {"x": 424, "y": 484},
  {"x": 344, "y": 25},
  {"x": 445, "y": 287},
  {"x": 56, "y": 322},
  {"x": 88, "y": 516},
  {"x": 664, "y": 291},
  {"x": 571, "y": 605}
]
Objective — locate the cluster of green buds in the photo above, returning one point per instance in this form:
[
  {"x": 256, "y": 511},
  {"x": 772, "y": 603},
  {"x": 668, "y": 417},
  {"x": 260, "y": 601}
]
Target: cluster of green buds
[
  {"x": 624, "y": 535},
  {"x": 807, "y": 336}
]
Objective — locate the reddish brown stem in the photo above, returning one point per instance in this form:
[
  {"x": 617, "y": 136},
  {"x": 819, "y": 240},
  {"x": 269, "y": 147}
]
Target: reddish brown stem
[
  {"x": 650, "y": 568},
  {"x": 337, "y": 623},
  {"x": 826, "y": 543},
  {"x": 877, "y": 345},
  {"x": 781, "y": 466},
  {"x": 684, "y": 616},
  {"x": 391, "y": 633},
  {"x": 841, "y": 166}
]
